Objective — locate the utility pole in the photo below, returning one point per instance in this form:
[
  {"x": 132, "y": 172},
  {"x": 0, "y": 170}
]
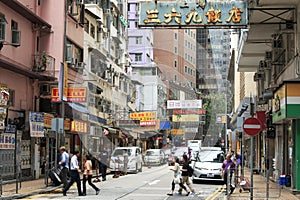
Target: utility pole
[{"x": 252, "y": 149}]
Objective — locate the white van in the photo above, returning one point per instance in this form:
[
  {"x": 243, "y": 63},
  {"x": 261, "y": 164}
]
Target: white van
[{"x": 135, "y": 161}]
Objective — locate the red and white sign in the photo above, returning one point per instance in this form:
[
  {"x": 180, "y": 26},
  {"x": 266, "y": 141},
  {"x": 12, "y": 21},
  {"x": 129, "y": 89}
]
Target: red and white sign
[{"x": 252, "y": 126}]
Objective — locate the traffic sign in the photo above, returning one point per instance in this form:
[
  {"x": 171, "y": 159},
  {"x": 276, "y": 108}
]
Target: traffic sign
[{"x": 252, "y": 126}]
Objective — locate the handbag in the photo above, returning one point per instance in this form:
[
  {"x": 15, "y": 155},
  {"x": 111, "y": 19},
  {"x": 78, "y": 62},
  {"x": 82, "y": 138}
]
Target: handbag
[{"x": 176, "y": 179}]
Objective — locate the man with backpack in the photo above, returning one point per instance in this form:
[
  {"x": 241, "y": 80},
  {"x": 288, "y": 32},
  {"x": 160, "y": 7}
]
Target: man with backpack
[{"x": 186, "y": 171}]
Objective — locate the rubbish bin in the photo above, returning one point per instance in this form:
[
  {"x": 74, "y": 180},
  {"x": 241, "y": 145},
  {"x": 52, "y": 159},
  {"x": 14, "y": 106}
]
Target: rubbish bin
[
  {"x": 281, "y": 180},
  {"x": 288, "y": 181}
]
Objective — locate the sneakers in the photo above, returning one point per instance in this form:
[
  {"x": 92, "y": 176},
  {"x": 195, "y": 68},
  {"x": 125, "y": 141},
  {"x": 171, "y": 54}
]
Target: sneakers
[
  {"x": 187, "y": 194},
  {"x": 97, "y": 191},
  {"x": 64, "y": 193}
]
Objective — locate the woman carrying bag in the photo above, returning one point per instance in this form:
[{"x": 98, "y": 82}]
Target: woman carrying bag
[
  {"x": 177, "y": 179},
  {"x": 88, "y": 174}
]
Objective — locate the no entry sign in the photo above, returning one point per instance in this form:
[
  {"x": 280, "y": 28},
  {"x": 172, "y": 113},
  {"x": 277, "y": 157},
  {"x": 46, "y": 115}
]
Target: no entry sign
[{"x": 252, "y": 126}]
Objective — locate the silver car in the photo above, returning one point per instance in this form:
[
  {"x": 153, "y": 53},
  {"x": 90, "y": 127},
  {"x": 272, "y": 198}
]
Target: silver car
[{"x": 207, "y": 165}]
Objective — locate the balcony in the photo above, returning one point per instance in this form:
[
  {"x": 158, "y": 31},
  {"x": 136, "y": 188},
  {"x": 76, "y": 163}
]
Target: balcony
[{"x": 44, "y": 64}]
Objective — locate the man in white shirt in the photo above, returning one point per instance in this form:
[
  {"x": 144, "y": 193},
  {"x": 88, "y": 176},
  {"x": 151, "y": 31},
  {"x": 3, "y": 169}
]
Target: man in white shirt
[
  {"x": 64, "y": 165},
  {"x": 74, "y": 173}
]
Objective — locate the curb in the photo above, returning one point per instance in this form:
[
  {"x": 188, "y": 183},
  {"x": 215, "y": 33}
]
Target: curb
[{"x": 21, "y": 196}]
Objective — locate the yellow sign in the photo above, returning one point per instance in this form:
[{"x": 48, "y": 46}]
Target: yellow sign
[
  {"x": 177, "y": 131},
  {"x": 79, "y": 126},
  {"x": 185, "y": 118},
  {"x": 143, "y": 116}
]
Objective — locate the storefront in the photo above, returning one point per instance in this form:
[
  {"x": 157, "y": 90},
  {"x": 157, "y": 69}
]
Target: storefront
[{"x": 286, "y": 117}]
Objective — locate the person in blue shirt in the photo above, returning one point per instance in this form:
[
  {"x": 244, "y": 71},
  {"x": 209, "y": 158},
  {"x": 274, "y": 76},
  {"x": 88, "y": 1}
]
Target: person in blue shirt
[{"x": 64, "y": 165}]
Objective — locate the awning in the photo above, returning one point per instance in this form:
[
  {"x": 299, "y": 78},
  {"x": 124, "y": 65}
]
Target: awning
[{"x": 78, "y": 107}]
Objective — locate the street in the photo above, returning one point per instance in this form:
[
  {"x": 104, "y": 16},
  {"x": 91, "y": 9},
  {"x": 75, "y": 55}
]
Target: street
[{"x": 152, "y": 184}]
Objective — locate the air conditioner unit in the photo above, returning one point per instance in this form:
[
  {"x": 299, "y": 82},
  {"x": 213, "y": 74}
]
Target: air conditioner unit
[
  {"x": 15, "y": 38},
  {"x": 45, "y": 89},
  {"x": 79, "y": 65}
]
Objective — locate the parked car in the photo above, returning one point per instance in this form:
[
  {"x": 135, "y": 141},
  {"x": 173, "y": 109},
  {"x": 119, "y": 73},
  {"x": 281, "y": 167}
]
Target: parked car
[
  {"x": 135, "y": 161},
  {"x": 154, "y": 157},
  {"x": 207, "y": 165},
  {"x": 177, "y": 152}
]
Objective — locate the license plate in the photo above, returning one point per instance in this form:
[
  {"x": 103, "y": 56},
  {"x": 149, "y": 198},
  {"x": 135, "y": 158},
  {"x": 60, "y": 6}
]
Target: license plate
[{"x": 210, "y": 175}]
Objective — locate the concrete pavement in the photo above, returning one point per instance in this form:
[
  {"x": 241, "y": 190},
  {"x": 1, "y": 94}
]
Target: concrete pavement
[
  {"x": 260, "y": 190},
  {"x": 34, "y": 187}
]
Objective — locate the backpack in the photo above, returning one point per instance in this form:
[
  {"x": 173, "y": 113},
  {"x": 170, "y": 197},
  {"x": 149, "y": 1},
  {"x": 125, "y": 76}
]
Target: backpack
[{"x": 190, "y": 171}]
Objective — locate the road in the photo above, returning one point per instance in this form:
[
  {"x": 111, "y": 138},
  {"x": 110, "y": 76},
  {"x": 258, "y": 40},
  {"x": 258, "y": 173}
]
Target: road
[{"x": 151, "y": 184}]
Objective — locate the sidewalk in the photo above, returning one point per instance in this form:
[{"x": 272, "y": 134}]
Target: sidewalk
[
  {"x": 260, "y": 189},
  {"x": 28, "y": 188}
]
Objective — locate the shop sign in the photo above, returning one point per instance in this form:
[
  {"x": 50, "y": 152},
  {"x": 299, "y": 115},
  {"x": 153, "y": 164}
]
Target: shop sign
[
  {"x": 73, "y": 95},
  {"x": 148, "y": 123},
  {"x": 143, "y": 116},
  {"x": 36, "y": 124},
  {"x": 79, "y": 126},
  {"x": 185, "y": 118},
  {"x": 184, "y": 104},
  {"x": 129, "y": 123},
  {"x": 47, "y": 120},
  {"x": 201, "y": 14},
  {"x": 67, "y": 124},
  {"x": 189, "y": 111},
  {"x": 3, "y": 113},
  {"x": 7, "y": 141},
  {"x": 177, "y": 131},
  {"x": 4, "y": 98}
]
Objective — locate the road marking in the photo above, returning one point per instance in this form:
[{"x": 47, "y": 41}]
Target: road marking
[
  {"x": 154, "y": 182},
  {"x": 215, "y": 194}
]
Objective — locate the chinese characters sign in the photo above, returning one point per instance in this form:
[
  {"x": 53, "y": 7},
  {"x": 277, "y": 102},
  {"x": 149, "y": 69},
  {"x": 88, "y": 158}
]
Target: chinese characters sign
[
  {"x": 73, "y": 95},
  {"x": 193, "y": 14},
  {"x": 36, "y": 124}
]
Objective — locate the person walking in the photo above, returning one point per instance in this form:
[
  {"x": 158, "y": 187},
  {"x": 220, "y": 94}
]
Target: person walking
[
  {"x": 88, "y": 174},
  {"x": 64, "y": 165},
  {"x": 228, "y": 167},
  {"x": 177, "y": 179},
  {"x": 103, "y": 162},
  {"x": 185, "y": 175},
  {"x": 74, "y": 173}
]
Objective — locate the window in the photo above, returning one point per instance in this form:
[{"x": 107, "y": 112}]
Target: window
[
  {"x": 15, "y": 34},
  {"x": 138, "y": 57},
  {"x": 86, "y": 25},
  {"x": 3, "y": 23},
  {"x": 175, "y": 36},
  {"x": 92, "y": 31},
  {"x": 175, "y": 63},
  {"x": 175, "y": 49},
  {"x": 185, "y": 69},
  {"x": 138, "y": 40},
  {"x": 128, "y": 6},
  {"x": 175, "y": 77}
]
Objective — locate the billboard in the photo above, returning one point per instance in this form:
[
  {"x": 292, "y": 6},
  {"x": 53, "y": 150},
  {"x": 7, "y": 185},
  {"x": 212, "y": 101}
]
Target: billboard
[{"x": 200, "y": 14}]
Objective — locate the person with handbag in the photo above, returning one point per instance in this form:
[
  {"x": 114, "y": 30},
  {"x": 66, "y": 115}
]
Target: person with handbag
[
  {"x": 88, "y": 174},
  {"x": 177, "y": 179}
]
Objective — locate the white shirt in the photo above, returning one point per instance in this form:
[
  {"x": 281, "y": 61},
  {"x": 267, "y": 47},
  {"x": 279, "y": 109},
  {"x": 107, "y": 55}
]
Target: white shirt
[{"x": 74, "y": 163}]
